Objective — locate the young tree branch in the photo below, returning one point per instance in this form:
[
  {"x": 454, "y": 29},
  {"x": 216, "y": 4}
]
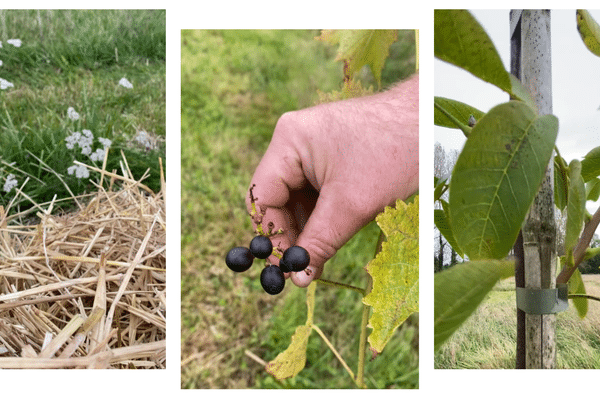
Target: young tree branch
[{"x": 582, "y": 245}]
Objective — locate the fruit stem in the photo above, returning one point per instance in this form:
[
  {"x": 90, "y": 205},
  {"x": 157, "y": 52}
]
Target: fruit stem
[
  {"x": 362, "y": 343},
  {"x": 341, "y": 285}
]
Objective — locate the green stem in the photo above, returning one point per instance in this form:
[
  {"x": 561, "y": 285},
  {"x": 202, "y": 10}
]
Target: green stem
[
  {"x": 587, "y": 296},
  {"x": 362, "y": 347},
  {"x": 340, "y": 285}
]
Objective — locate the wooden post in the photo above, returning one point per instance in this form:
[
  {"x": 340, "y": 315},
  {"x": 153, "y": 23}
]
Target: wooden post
[{"x": 531, "y": 63}]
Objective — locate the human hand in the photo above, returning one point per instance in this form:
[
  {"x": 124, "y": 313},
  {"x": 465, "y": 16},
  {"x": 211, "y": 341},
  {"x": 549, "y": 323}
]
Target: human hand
[{"x": 330, "y": 169}]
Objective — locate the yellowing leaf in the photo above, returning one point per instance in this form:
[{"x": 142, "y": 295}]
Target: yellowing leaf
[
  {"x": 350, "y": 89},
  {"x": 395, "y": 273},
  {"x": 291, "y": 361},
  {"x": 358, "y": 48}
]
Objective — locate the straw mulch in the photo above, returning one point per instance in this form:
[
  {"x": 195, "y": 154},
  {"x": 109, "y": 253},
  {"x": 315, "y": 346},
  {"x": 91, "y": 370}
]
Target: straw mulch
[{"x": 86, "y": 289}]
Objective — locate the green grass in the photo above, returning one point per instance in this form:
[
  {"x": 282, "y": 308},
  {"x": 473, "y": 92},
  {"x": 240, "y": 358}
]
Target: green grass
[
  {"x": 235, "y": 86},
  {"x": 488, "y": 338},
  {"x": 75, "y": 58}
]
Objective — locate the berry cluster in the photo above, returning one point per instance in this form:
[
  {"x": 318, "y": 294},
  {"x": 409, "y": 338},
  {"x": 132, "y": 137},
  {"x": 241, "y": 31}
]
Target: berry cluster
[
  {"x": 240, "y": 259},
  {"x": 295, "y": 258}
]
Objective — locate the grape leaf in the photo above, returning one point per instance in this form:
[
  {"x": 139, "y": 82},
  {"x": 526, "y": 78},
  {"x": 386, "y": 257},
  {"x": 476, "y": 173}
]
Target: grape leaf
[
  {"x": 350, "y": 89},
  {"x": 395, "y": 273},
  {"x": 589, "y": 31},
  {"x": 497, "y": 176},
  {"x": 291, "y": 361},
  {"x": 460, "y": 289},
  {"x": 360, "y": 47}
]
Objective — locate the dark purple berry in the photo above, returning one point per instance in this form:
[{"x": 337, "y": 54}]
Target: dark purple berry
[
  {"x": 239, "y": 259},
  {"x": 283, "y": 266},
  {"x": 296, "y": 258},
  {"x": 261, "y": 247},
  {"x": 272, "y": 279}
]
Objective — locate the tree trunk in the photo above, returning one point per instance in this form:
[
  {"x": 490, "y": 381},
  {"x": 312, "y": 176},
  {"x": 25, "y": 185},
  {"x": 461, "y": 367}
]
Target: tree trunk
[{"x": 532, "y": 61}]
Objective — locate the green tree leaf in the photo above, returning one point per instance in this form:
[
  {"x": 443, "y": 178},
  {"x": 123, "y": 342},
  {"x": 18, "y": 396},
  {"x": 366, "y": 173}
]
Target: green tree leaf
[
  {"x": 291, "y": 361},
  {"x": 457, "y": 110},
  {"x": 497, "y": 176},
  {"x": 440, "y": 218},
  {"x": 395, "y": 273},
  {"x": 592, "y": 189},
  {"x": 589, "y": 31},
  {"x": 590, "y": 165},
  {"x": 440, "y": 186},
  {"x": 460, "y": 40},
  {"x": 576, "y": 286},
  {"x": 561, "y": 183},
  {"x": 520, "y": 92},
  {"x": 575, "y": 207},
  {"x": 460, "y": 289},
  {"x": 360, "y": 47}
]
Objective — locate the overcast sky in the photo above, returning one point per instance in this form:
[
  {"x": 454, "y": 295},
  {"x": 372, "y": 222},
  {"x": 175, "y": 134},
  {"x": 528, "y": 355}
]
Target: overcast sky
[{"x": 575, "y": 83}]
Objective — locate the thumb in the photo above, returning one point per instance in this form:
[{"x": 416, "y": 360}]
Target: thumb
[{"x": 332, "y": 223}]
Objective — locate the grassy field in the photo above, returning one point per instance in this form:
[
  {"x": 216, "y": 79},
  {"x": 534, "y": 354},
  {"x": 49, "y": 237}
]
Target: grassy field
[
  {"x": 76, "y": 58},
  {"x": 487, "y": 339},
  {"x": 235, "y": 85}
]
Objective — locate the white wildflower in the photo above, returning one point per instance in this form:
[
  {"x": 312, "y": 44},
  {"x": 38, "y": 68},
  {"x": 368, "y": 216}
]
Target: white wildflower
[
  {"x": 80, "y": 171},
  {"x": 14, "y": 42},
  {"x": 143, "y": 139},
  {"x": 98, "y": 155},
  {"x": 72, "y": 140},
  {"x": 88, "y": 134},
  {"x": 72, "y": 114},
  {"x": 10, "y": 183},
  {"x": 0, "y": 63},
  {"x": 85, "y": 142},
  {"x": 4, "y": 84},
  {"x": 83, "y": 139},
  {"x": 105, "y": 142},
  {"x": 125, "y": 83}
]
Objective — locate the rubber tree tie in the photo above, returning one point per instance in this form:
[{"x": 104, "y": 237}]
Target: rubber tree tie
[{"x": 543, "y": 301}]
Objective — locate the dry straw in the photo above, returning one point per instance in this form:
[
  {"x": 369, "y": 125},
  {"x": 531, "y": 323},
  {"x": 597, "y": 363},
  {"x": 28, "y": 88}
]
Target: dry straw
[{"x": 86, "y": 289}]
